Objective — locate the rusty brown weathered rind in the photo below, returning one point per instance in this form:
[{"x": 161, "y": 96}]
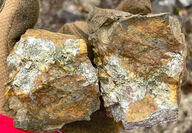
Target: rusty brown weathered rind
[
  {"x": 140, "y": 60},
  {"x": 52, "y": 81},
  {"x": 142, "y": 7}
]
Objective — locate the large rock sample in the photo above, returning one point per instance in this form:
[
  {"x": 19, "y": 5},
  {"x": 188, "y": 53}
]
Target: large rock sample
[
  {"x": 52, "y": 81},
  {"x": 140, "y": 61}
]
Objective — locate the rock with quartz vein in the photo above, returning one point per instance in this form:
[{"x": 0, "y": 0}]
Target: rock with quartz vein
[
  {"x": 52, "y": 81},
  {"x": 140, "y": 61}
]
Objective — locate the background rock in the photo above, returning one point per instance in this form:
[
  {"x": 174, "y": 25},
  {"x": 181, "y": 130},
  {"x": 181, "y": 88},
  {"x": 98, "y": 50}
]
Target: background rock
[
  {"x": 159, "y": 6},
  {"x": 1, "y": 2},
  {"x": 135, "y": 7},
  {"x": 54, "y": 13}
]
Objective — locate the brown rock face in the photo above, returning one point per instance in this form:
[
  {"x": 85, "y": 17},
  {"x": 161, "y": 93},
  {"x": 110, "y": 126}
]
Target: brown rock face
[
  {"x": 142, "y": 7},
  {"x": 52, "y": 81},
  {"x": 140, "y": 60},
  {"x": 77, "y": 28}
]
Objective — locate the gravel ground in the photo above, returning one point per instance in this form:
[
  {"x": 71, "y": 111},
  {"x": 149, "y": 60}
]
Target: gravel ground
[{"x": 55, "y": 13}]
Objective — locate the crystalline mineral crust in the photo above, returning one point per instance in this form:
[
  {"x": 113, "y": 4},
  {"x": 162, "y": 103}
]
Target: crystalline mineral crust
[
  {"x": 140, "y": 61},
  {"x": 52, "y": 81}
]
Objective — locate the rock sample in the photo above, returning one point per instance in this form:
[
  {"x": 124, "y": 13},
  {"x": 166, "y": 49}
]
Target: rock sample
[
  {"x": 135, "y": 6},
  {"x": 79, "y": 29},
  {"x": 52, "y": 81},
  {"x": 140, "y": 61}
]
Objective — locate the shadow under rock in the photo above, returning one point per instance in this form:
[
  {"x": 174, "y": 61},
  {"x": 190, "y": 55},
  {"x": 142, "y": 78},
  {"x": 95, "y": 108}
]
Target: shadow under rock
[{"x": 99, "y": 123}]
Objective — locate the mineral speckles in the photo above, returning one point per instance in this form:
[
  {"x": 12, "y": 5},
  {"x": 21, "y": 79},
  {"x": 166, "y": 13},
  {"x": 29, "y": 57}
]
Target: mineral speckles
[
  {"x": 175, "y": 65},
  {"x": 69, "y": 51},
  {"x": 52, "y": 81},
  {"x": 123, "y": 86},
  {"x": 89, "y": 74},
  {"x": 140, "y": 61},
  {"x": 35, "y": 55}
]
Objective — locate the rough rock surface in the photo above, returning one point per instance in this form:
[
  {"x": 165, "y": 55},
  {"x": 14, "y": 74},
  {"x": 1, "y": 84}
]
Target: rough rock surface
[
  {"x": 140, "y": 61},
  {"x": 52, "y": 81},
  {"x": 79, "y": 29},
  {"x": 182, "y": 125},
  {"x": 135, "y": 6}
]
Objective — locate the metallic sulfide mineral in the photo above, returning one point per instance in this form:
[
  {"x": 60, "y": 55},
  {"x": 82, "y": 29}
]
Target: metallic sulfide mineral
[
  {"x": 140, "y": 61},
  {"x": 52, "y": 81}
]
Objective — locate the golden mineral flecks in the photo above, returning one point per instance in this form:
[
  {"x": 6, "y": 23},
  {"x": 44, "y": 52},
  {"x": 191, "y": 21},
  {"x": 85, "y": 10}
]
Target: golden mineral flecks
[
  {"x": 52, "y": 81},
  {"x": 140, "y": 61}
]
